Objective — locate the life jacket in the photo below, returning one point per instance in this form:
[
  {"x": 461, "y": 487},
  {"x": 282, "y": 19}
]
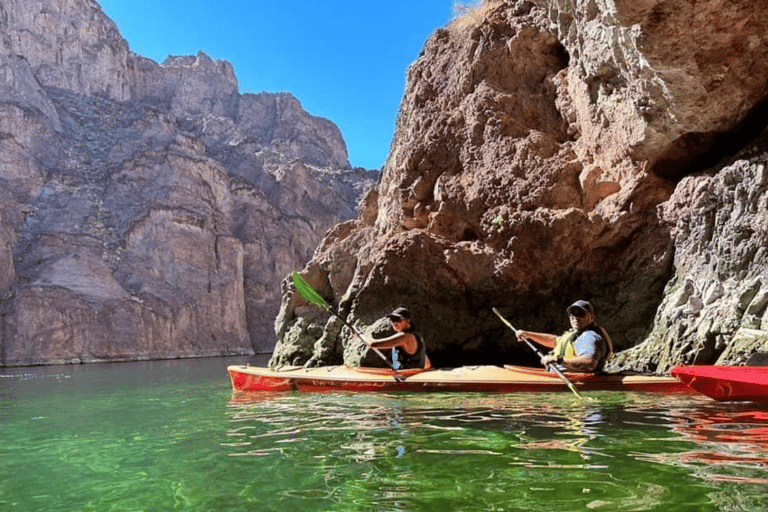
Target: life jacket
[
  {"x": 417, "y": 360},
  {"x": 565, "y": 348}
]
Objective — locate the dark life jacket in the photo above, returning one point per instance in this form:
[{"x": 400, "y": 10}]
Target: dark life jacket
[{"x": 417, "y": 360}]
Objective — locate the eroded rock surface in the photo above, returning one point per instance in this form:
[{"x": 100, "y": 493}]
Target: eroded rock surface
[
  {"x": 148, "y": 210},
  {"x": 545, "y": 152},
  {"x": 714, "y": 307}
]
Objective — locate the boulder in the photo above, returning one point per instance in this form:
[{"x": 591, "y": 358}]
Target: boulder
[{"x": 551, "y": 151}]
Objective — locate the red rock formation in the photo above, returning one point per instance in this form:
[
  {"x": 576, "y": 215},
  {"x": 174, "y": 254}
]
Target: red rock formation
[
  {"x": 148, "y": 210},
  {"x": 535, "y": 145}
]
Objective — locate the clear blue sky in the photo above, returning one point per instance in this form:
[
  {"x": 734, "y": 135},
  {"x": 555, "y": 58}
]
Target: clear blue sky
[{"x": 343, "y": 59}]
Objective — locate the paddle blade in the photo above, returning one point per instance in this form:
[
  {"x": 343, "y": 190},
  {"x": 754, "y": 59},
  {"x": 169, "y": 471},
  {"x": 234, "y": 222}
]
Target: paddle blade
[{"x": 305, "y": 290}]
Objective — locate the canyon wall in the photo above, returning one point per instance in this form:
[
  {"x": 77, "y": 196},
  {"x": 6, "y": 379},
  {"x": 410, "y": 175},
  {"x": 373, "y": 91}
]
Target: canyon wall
[
  {"x": 148, "y": 210},
  {"x": 548, "y": 151}
]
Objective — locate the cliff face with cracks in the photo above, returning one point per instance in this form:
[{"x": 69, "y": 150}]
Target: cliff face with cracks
[
  {"x": 548, "y": 151},
  {"x": 148, "y": 210}
]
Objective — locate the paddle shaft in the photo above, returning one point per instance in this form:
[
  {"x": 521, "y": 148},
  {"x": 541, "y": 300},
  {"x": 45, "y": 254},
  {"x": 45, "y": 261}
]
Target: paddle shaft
[
  {"x": 357, "y": 333},
  {"x": 551, "y": 366},
  {"x": 310, "y": 294}
]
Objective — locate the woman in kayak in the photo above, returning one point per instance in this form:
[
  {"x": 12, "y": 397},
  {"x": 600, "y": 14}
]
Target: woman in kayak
[
  {"x": 585, "y": 348},
  {"x": 408, "y": 350}
]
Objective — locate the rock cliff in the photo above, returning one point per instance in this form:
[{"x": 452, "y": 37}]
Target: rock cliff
[
  {"x": 148, "y": 210},
  {"x": 547, "y": 151}
]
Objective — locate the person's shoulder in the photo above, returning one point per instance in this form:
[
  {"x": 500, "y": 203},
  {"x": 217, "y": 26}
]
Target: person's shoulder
[
  {"x": 591, "y": 334},
  {"x": 599, "y": 331},
  {"x": 415, "y": 333}
]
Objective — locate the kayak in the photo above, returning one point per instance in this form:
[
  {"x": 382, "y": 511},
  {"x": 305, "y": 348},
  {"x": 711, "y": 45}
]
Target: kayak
[
  {"x": 726, "y": 383},
  {"x": 467, "y": 378}
]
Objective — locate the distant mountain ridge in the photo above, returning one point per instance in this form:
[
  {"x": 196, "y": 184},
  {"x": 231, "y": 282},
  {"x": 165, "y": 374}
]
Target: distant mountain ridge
[{"x": 149, "y": 210}]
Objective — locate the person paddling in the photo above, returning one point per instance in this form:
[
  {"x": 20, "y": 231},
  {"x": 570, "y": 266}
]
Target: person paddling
[
  {"x": 584, "y": 348},
  {"x": 408, "y": 350}
]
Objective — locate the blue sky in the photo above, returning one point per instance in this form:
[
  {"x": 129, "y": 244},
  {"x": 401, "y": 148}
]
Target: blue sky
[{"x": 343, "y": 59}]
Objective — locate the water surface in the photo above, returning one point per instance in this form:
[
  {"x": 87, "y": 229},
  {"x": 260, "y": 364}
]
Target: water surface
[{"x": 171, "y": 435}]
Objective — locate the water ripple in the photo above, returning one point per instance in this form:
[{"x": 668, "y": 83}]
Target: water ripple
[{"x": 168, "y": 437}]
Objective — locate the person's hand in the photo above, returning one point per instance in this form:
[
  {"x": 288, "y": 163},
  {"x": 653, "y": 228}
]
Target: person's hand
[
  {"x": 520, "y": 336},
  {"x": 548, "y": 360}
]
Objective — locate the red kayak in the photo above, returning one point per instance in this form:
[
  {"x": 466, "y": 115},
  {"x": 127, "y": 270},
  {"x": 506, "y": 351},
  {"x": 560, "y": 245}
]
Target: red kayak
[
  {"x": 467, "y": 378},
  {"x": 726, "y": 383}
]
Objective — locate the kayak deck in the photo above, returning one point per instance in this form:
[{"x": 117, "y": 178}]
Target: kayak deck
[
  {"x": 466, "y": 378},
  {"x": 726, "y": 383}
]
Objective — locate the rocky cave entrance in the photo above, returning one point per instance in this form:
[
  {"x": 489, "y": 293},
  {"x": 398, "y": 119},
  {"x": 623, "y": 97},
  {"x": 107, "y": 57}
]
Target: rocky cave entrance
[{"x": 696, "y": 152}]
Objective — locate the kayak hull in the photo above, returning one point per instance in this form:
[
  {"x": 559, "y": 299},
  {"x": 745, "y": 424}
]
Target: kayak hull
[
  {"x": 464, "y": 379},
  {"x": 726, "y": 383}
]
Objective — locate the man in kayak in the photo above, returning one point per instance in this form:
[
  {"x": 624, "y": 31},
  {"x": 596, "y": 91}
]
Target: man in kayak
[
  {"x": 584, "y": 348},
  {"x": 408, "y": 348}
]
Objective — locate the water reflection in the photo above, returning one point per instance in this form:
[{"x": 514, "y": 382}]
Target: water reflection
[
  {"x": 524, "y": 421},
  {"x": 413, "y": 452},
  {"x": 731, "y": 441}
]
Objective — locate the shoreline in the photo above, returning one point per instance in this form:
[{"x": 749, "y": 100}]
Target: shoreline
[{"x": 132, "y": 359}]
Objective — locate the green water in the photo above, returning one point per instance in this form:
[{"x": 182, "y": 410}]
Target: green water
[{"x": 171, "y": 435}]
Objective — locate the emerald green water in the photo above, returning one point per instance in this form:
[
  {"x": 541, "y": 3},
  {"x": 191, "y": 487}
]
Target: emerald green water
[{"x": 171, "y": 435}]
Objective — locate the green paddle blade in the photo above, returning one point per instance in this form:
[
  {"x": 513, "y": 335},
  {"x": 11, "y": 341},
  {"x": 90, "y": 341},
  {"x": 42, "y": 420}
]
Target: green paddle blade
[{"x": 305, "y": 290}]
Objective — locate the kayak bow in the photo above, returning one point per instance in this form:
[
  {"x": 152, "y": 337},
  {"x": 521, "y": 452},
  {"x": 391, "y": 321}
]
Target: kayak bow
[{"x": 726, "y": 383}]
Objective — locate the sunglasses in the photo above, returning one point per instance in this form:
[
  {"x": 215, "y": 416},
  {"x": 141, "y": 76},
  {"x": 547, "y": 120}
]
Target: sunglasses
[{"x": 578, "y": 313}]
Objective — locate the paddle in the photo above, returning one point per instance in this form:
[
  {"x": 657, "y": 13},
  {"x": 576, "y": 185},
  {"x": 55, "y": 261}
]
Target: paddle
[
  {"x": 311, "y": 295},
  {"x": 551, "y": 366}
]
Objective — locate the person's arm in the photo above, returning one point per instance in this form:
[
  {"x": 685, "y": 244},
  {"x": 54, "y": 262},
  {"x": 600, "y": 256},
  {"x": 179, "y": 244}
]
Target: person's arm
[
  {"x": 546, "y": 340},
  {"x": 400, "y": 339},
  {"x": 586, "y": 346},
  {"x": 585, "y": 363}
]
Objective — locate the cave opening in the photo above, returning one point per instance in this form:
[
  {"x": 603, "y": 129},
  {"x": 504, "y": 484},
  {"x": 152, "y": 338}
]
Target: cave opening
[{"x": 697, "y": 151}]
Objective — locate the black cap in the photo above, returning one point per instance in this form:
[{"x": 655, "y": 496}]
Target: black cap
[
  {"x": 399, "y": 314},
  {"x": 581, "y": 305}
]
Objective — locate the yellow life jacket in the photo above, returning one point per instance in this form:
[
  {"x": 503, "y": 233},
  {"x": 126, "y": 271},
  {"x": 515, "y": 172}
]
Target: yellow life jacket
[{"x": 564, "y": 345}]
